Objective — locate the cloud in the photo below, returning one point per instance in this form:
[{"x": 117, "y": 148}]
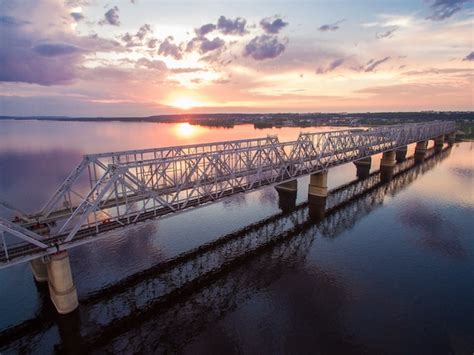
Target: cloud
[
  {"x": 333, "y": 65},
  {"x": 436, "y": 71},
  {"x": 205, "y": 29},
  {"x": 187, "y": 70},
  {"x": 77, "y": 16},
  {"x": 272, "y": 27},
  {"x": 386, "y": 34},
  {"x": 144, "y": 31},
  {"x": 11, "y": 21},
  {"x": 55, "y": 49},
  {"x": 330, "y": 26},
  {"x": 45, "y": 51},
  {"x": 130, "y": 40},
  {"x": 372, "y": 64},
  {"x": 152, "y": 64},
  {"x": 469, "y": 57},
  {"x": 264, "y": 47},
  {"x": 442, "y": 9},
  {"x": 232, "y": 27},
  {"x": 111, "y": 17},
  {"x": 169, "y": 49},
  {"x": 152, "y": 43},
  {"x": 207, "y": 45},
  {"x": 137, "y": 39}
]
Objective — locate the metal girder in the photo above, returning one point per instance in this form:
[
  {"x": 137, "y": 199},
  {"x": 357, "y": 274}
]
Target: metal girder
[{"x": 127, "y": 187}]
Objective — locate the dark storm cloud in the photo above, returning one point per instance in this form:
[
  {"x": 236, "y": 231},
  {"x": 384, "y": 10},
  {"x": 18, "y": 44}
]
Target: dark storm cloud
[
  {"x": 111, "y": 17},
  {"x": 272, "y": 27},
  {"x": 333, "y": 65},
  {"x": 232, "y": 27},
  {"x": 330, "y": 26},
  {"x": 386, "y": 34},
  {"x": 264, "y": 47},
  {"x": 77, "y": 16},
  {"x": 469, "y": 57},
  {"x": 55, "y": 49},
  {"x": 372, "y": 64},
  {"x": 442, "y": 9},
  {"x": 168, "y": 48},
  {"x": 205, "y": 29}
]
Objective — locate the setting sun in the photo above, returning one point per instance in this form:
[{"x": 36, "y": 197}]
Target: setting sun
[{"x": 184, "y": 103}]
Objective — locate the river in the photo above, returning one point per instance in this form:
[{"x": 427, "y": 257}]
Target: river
[{"x": 389, "y": 269}]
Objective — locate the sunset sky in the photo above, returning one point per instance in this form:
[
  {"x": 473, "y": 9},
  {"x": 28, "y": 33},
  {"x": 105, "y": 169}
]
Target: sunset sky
[{"x": 144, "y": 57}]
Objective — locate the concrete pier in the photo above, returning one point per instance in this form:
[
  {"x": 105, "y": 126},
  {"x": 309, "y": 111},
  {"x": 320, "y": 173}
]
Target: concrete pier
[
  {"x": 400, "y": 154},
  {"x": 451, "y": 138},
  {"x": 318, "y": 187},
  {"x": 439, "y": 142},
  {"x": 61, "y": 285},
  {"x": 40, "y": 270},
  {"x": 420, "y": 151},
  {"x": 363, "y": 167},
  {"x": 291, "y": 186},
  {"x": 287, "y": 195},
  {"x": 387, "y": 164},
  {"x": 317, "y": 195}
]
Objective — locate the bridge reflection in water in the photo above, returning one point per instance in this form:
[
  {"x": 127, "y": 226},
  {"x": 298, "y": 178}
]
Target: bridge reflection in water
[{"x": 169, "y": 304}]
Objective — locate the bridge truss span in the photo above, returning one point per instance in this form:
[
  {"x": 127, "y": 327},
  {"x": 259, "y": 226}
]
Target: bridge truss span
[{"x": 111, "y": 190}]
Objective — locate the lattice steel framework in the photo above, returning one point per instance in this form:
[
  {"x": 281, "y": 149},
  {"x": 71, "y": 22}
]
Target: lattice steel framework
[
  {"x": 123, "y": 188},
  {"x": 286, "y": 237}
]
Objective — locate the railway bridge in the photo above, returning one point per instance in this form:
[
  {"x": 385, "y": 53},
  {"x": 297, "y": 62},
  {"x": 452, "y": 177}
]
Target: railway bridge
[{"x": 114, "y": 190}]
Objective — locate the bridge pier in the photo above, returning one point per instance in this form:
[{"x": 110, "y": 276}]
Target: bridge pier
[
  {"x": 318, "y": 187},
  {"x": 61, "y": 285},
  {"x": 387, "y": 164},
  {"x": 317, "y": 195},
  {"x": 363, "y": 167},
  {"x": 401, "y": 154},
  {"x": 420, "y": 151},
  {"x": 439, "y": 142},
  {"x": 40, "y": 269},
  {"x": 287, "y": 195},
  {"x": 451, "y": 138}
]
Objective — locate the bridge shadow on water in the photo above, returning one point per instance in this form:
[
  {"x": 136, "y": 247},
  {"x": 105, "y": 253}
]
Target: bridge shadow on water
[{"x": 165, "y": 307}]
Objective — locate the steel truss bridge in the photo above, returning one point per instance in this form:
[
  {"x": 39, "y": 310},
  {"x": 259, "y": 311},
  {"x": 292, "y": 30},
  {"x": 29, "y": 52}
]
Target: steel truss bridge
[
  {"x": 112, "y": 190},
  {"x": 200, "y": 285}
]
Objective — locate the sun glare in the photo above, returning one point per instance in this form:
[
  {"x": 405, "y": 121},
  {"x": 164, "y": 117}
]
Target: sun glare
[
  {"x": 184, "y": 103},
  {"x": 185, "y": 130}
]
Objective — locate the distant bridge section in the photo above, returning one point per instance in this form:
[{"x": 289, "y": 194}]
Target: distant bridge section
[{"x": 111, "y": 190}]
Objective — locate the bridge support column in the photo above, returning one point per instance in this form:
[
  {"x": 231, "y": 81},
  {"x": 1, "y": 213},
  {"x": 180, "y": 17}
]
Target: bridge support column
[
  {"x": 363, "y": 167},
  {"x": 420, "y": 151},
  {"x": 291, "y": 186},
  {"x": 401, "y": 154},
  {"x": 61, "y": 285},
  {"x": 40, "y": 270},
  {"x": 287, "y": 195},
  {"x": 451, "y": 137},
  {"x": 387, "y": 164},
  {"x": 439, "y": 142},
  {"x": 317, "y": 195}
]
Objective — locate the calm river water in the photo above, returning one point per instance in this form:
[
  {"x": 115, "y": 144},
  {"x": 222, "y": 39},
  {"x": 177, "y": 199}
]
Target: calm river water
[{"x": 389, "y": 269}]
